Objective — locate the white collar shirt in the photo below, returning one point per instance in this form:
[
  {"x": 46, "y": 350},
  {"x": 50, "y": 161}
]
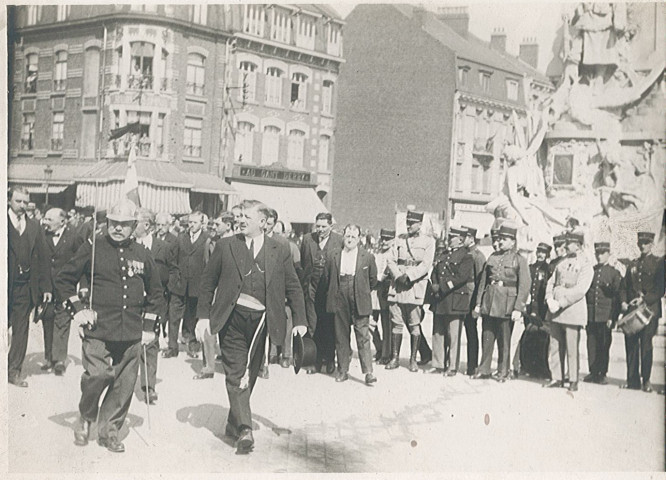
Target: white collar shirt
[
  {"x": 147, "y": 241},
  {"x": 194, "y": 237},
  {"x": 348, "y": 261},
  {"x": 18, "y": 222},
  {"x": 258, "y": 244},
  {"x": 58, "y": 234},
  {"x": 323, "y": 242}
]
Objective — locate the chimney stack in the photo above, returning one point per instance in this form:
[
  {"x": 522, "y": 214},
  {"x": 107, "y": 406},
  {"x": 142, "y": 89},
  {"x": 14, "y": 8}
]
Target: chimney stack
[
  {"x": 455, "y": 17},
  {"x": 529, "y": 52},
  {"x": 498, "y": 40}
]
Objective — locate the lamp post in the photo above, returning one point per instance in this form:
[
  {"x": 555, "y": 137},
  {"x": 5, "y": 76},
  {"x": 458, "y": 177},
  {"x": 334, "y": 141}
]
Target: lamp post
[{"x": 48, "y": 171}]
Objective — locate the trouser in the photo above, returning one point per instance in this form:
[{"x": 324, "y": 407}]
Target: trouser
[
  {"x": 472, "y": 336},
  {"x": 493, "y": 328},
  {"x": 599, "y": 338},
  {"x": 563, "y": 347},
  {"x": 208, "y": 353},
  {"x": 149, "y": 358},
  {"x": 20, "y": 305},
  {"x": 384, "y": 319},
  {"x": 639, "y": 351},
  {"x": 517, "y": 330},
  {"x": 285, "y": 349},
  {"x": 185, "y": 308},
  {"x": 405, "y": 314},
  {"x": 320, "y": 325},
  {"x": 424, "y": 349},
  {"x": 56, "y": 334},
  {"x": 237, "y": 349},
  {"x": 446, "y": 331},
  {"x": 345, "y": 318},
  {"x": 108, "y": 364}
]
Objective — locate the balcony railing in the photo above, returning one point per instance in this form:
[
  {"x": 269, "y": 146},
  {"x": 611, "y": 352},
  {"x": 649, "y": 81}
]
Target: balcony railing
[
  {"x": 194, "y": 88},
  {"x": 140, "y": 82},
  {"x": 145, "y": 82},
  {"x": 192, "y": 151},
  {"x": 56, "y": 144},
  {"x": 143, "y": 148},
  {"x": 60, "y": 85},
  {"x": 26, "y": 144}
]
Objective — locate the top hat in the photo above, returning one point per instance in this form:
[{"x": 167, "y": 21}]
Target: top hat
[
  {"x": 470, "y": 231},
  {"x": 559, "y": 239},
  {"x": 457, "y": 232},
  {"x": 123, "y": 211},
  {"x": 645, "y": 237},
  {"x": 506, "y": 231},
  {"x": 602, "y": 246},
  {"x": 304, "y": 352},
  {"x": 386, "y": 234},
  {"x": 544, "y": 247},
  {"x": 575, "y": 237},
  {"x": 414, "y": 216}
]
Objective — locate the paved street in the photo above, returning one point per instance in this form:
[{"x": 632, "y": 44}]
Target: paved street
[{"x": 407, "y": 422}]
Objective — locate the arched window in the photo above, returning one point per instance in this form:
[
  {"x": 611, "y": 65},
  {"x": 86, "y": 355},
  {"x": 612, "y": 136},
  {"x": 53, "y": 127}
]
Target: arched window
[
  {"x": 324, "y": 147},
  {"x": 270, "y": 145},
  {"x": 299, "y": 89},
  {"x": 244, "y": 142},
  {"x": 31, "y": 71},
  {"x": 91, "y": 72},
  {"x": 196, "y": 73},
  {"x": 60, "y": 71},
  {"x": 274, "y": 86},
  {"x": 247, "y": 82},
  {"x": 295, "y": 150}
]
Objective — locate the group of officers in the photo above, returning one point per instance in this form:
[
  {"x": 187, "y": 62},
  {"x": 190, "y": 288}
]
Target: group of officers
[{"x": 243, "y": 282}]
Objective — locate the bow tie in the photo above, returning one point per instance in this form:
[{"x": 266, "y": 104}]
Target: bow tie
[{"x": 53, "y": 234}]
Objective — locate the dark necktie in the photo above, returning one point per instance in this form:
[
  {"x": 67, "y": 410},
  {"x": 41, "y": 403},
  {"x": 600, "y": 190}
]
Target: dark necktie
[{"x": 251, "y": 248}]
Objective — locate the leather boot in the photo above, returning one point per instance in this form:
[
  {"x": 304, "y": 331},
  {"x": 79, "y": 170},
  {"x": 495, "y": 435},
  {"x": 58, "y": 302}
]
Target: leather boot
[
  {"x": 396, "y": 341},
  {"x": 415, "y": 340},
  {"x": 377, "y": 342}
]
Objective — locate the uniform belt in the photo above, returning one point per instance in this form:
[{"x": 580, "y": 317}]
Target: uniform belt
[
  {"x": 408, "y": 263},
  {"x": 502, "y": 283}
]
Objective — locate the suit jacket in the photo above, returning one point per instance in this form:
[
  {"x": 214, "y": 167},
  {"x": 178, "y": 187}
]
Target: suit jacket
[
  {"x": 40, "y": 272},
  {"x": 365, "y": 279},
  {"x": 223, "y": 277},
  {"x": 309, "y": 250},
  {"x": 60, "y": 254},
  {"x": 453, "y": 283},
  {"x": 189, "y": 260}
]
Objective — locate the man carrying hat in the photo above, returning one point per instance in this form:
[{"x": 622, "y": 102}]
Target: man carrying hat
[
  {"x": 504, "y": 289},
  {"x": 567, "y": 311},
  {"x": 127, "y": 298},
  {"x": 603, "y": 307},
  {"x": 386, "y": 240},
  {"x": 471, "y": 331},
  {"x": 409, "y": 264},
  {"x": 452, "y": 286},
  {"x": 643, "y": 283}
]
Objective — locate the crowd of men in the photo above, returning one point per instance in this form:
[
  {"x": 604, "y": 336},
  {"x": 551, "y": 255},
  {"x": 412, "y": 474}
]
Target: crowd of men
[{"x": 126, "y": 276}]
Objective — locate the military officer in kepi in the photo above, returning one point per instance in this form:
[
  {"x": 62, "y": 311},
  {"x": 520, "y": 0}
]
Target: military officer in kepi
[
  {"x": 409, "y": 264},
  {"x": 126, "y": 297},
  {"x": 503, "y": 292},
  {"x": 603, "y": 307},
  {"x": 644, "y": 284}
]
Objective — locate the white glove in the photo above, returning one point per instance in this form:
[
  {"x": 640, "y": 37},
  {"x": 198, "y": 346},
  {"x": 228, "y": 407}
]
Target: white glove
[
  {"x": 553, "y": 305},
  {"x": 85, "y": 318},
  {"x": 516, "y": 316},
  {"x": 147, "y": 337},
  {"x": 300, "y": 329},
  {"x": 202, "y": 329}
]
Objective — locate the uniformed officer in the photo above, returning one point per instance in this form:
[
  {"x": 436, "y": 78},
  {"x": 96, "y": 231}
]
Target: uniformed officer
[
  {"x": 644, "y": 282},
  {"x": 409, "y": 264},
  {"x": 452, "y": 286},
  {"x": 567, "y": 311},
  {"x": 560, "y": 245},
  {"x": 504, "y": 289},
  {"x": 494, "y": 236},
  {"x": 127, "y": 297},
  {"x": 539, "y": 272},
  {"x": 471, "y": 330},
  {"x": 386, "y": 240},
  {"x": 603, "y": 307}
]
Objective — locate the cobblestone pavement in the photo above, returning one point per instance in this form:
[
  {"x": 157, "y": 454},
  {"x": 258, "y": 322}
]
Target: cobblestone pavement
[{"x": 308, "y": 423}]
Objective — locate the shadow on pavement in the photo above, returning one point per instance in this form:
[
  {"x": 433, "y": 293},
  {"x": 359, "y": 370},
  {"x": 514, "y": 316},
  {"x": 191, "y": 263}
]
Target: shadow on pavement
[{"x": 69, "y": 420}]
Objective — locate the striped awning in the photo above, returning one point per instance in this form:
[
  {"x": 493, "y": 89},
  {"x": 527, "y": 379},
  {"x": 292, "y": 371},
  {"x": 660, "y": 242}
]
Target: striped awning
[
  {"x": 38, "y": 187},
  {"x": 207, "y": 183},
  {"x": 175, "y": 200}
]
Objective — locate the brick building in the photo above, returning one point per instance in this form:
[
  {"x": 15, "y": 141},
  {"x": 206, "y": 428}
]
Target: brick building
[
  {"x": 213, "y": 87},
  {"x": 424, "y": 112}
]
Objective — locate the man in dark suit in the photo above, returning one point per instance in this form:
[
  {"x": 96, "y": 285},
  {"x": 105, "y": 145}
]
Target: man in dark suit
[
  {"x": 163, "y": 222},
  {"x": 314, "y": 249},
  {"x": 28, "y": 279},
  {"x": 160, "y": 251},
  {"x": 250, "y": 275},
  {"x": 188, "y": 255},
  {"x": 644, "y": 283},
  {"x": 349, "y": 276},
  {"x": 62, "y": 243}
]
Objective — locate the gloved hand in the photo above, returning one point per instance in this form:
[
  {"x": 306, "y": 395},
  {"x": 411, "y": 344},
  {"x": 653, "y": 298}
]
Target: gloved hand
[
  {"x": 202, "y": 329},
  {"x": 476, "y": 313},
  {"x": 516, "y": 316},
  {"x": 147, "y": 337},
  {"x": 84, "y": 295},
  {"x": 435, "y": 288},
  {"x": 553, "y": 305},
  {"x": 86, "y": 319},
  {"x": 299, "y": 329}
]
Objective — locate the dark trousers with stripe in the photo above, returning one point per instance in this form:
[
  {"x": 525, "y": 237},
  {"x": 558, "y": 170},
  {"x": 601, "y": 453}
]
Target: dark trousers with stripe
[
  {"x": 182, "y": 307},
  {"x": 237, "y": 348}
]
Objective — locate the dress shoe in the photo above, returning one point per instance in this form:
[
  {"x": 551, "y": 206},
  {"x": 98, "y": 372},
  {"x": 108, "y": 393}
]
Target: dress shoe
[
  {"x": 392, "y": 364},
  {"x": 480, "y": 376},
  {"x": 273, "y": 359},
  {"x": 152, "y": 396},
  {"x": 112, "y": 444},
  {"x": 47, "y": 367},
  {"x": 230, "y": 431},
  {"x": 203, "y": 376},
  {"x": 285, "y": 362},
  {"x": 573, "y": 387},
  {"x": 647, "y": 387},
  {"x": 450, "y": 373},
  {"x": 245, "y": 442},
  {"x": 370, "y": 379},
  {"x": 59, "y": 369},
  {"x": 18, "y": 381},
  {"x": 553, "y": 384},
  {"x": 590, "y": 378},
  {"x": 626, "y": 386},
  {"x": 81, "y": 433},
  {"x": 502, "y": 378},
  {"x": 311, "y": 370},
  {"x": 602, "y": 380},
  {"x": 264, "y": 372},
  {"x": 169, "y": 353},
  {"x": 341, "y": 377},
  {"x": 330, "y": 367},
  {"x": 192, "y": 354},
  {"x": 424, "y": 361},
  {"x": 383, "y": 360},
  {"x": 434, "y": 370},
  {"x": 218, "y": 358}
]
